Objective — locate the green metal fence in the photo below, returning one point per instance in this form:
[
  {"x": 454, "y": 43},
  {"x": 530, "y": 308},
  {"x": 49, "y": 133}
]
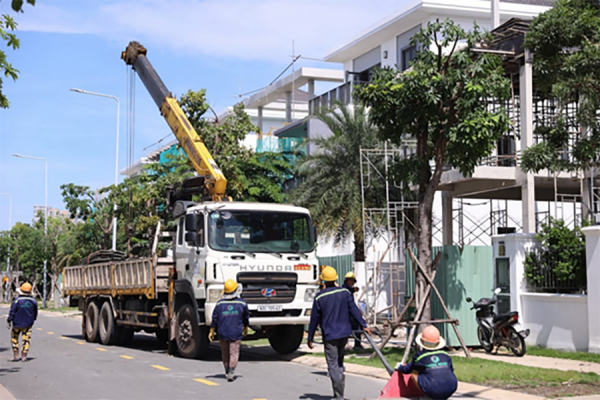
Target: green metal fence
[
  {"x": 342, "y": 264},
  {"x": 461, "y": 274}
]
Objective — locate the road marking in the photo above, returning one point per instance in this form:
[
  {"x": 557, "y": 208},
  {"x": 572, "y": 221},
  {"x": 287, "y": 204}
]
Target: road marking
[
  {"x": 38, "y": 329},
  {"x": 206, "y": 382},
  {"x": 100, "y": 349},
  {"x": 50, "y": 333},
  {"x": 64, "y": 337},
  {"x": 126, "y": 357},
  {"x": 80, "y": 342},
  {"x": 259, "y": 399},
  {"x": 160, "y": 367}
]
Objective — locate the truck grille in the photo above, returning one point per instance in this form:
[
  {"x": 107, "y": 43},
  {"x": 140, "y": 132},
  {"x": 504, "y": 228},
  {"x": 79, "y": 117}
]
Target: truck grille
[{"x": 282, "y": 283}]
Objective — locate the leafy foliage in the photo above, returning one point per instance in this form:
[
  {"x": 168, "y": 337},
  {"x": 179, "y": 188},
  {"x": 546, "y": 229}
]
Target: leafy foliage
[
  {"x": 331, "y": 189},
  {"x": 250, "y": 176},
  {"x": 8, "y": 25},
  {"x": 565, "y": 41},
  {"x": 561, "y": 258}
]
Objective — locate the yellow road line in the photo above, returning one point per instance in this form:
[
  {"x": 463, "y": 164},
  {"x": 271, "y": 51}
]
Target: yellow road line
[
  {"x": 50, "y": 333},
  {"x": 206, "y": 382},
  {"x": 80, "y": 342},
  {"x": 160, "y": 367},
  {"x": 38, "y": 329},
  {"x": 64, "y": 337},
  {"x": 100, "y": 349},
  {"x": 126, "y": 357},
  {"x": 259, "y": 399}
]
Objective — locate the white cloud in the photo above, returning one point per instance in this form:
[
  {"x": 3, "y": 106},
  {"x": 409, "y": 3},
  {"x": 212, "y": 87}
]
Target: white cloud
[{"x": 261, "y": 29}]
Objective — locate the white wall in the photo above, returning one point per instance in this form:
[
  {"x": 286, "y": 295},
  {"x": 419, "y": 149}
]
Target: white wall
[{"x": 557, "y": 321}]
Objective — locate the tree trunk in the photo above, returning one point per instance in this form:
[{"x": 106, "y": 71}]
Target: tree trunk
[
  {"x": 359, "y": 250},
  {"x": 424, "y": 248}
]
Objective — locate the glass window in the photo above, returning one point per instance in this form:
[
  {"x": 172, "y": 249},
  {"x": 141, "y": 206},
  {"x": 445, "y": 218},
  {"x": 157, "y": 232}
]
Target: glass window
[
  {"x": 503, "y": 274},
  {"x": 180, "y": 231},
  {"x": 260, "y": 232},
  {"x": 408, "y": 54}
]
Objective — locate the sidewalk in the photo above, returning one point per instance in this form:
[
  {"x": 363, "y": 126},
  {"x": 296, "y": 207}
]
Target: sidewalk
[{"x": 536, "y": 361}]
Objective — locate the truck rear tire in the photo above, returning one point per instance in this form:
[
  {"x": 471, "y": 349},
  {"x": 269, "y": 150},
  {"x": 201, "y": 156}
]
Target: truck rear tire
[
  {"x": 187, "y": 334},
  {"x": 109, "y": 332},
  {"x": 92, "y": 319},
  {"x": 286, "y": 339}
]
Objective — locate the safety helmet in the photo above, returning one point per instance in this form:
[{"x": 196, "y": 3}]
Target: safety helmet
[
  {"x": 26, "y": 288},
  {"x": 328, "y": 274},
  {"x": 350, "y": 275},
  {"x": 230, "y": 286},
  {"x": 430, "y": 339}
]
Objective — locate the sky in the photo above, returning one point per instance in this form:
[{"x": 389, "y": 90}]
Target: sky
[{"x": 227, "y": 47}]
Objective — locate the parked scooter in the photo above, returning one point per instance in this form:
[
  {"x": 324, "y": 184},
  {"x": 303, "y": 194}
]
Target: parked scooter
[{"x": 494, "y": 330}]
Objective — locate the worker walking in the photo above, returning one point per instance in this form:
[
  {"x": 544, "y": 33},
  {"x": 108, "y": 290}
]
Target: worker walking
[
  {"x": 349, "y": 282},
  {"x": 332, "y": 309},
  {"x": 23, "y": 313},
  {"x": 230, "y": 319},
  {"x": 431, "y": 368}
]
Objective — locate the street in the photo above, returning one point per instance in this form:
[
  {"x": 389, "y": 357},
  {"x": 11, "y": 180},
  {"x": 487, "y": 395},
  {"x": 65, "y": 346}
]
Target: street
[{"x": 62, "y": 366}]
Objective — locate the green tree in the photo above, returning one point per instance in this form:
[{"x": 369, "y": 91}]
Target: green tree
[
  {"x": 250, "y": 176},
  {"x": 441, "y": 103},
  {"x": 331, "y": 187},
  {"x": 561, "y": 256},
  {"x": 8, "y": 25},
  {"x": 87, "y": 205},
  {"x": 27, "y": 251},
  {"x": 565, "y": 41}
]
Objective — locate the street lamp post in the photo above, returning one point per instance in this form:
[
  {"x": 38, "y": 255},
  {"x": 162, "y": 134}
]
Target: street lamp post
[
  {"x": 114, "y": 238},
  {"x": 45, "y": 218},
  {"x": 9, "y": 228}
]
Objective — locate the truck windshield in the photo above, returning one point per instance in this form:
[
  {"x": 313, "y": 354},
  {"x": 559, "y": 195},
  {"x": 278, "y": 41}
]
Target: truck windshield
[{"x": 260, "y": 232}]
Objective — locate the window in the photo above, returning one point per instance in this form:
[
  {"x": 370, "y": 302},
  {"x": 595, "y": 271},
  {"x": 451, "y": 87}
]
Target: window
[
  {"x": 180, "y": 231},
  {"x": 408, "y": 54}
]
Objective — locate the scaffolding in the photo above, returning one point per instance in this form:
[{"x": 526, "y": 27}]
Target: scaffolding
[{"x": 390, "y": 225}]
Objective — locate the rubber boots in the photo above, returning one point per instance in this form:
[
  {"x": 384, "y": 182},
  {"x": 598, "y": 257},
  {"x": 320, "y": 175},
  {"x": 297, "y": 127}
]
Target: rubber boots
[
  {"x": 230, "y": 374},
  {"x": 338, "y": 388}
]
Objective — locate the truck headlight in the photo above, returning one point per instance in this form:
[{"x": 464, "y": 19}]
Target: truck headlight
[
  {"x": 309, "y": 295},
  {"x": 214, "y": 295}
]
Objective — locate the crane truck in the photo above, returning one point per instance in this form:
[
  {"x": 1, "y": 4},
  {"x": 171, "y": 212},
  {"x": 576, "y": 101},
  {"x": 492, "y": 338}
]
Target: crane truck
[{"x": 269, "y": 249}]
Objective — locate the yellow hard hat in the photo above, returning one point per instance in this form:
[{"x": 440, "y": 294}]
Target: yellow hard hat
[
  {"x": 350, "y": 275},
  {"x": 328, "y": 274},
  {"x": 230, "y": 286},
  {"x": 26, "y": 288}
]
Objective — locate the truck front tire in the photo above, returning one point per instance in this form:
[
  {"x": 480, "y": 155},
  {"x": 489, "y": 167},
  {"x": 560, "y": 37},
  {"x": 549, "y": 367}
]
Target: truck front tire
[
  {"x": 187, "y": 335},
  {"x": 92, "y": 317},
  {"x": 286, "y": 339}
]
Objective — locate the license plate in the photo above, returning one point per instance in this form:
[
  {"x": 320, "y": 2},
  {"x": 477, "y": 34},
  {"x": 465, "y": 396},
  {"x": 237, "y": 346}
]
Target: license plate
[{"x": 270, "y": 307}]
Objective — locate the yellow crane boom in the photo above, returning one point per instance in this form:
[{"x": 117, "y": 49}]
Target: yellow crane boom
[{"x": 214, "y": 180}]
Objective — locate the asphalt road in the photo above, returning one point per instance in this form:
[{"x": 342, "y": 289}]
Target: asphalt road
[{"x": 63, "y": 366}]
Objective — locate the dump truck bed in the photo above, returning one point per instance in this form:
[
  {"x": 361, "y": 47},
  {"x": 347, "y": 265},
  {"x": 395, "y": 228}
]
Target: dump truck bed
[{"x": 131, "y": 277}]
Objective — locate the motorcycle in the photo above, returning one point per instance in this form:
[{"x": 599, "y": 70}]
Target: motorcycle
[{"x": 494, "y": 330}]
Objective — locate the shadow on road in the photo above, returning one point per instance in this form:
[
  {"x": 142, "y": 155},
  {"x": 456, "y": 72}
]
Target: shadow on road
[{"x": 314, "y": 396}]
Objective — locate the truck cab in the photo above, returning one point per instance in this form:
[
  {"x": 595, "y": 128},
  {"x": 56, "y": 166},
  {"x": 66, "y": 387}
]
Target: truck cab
[{"x": 269, "y": 249}]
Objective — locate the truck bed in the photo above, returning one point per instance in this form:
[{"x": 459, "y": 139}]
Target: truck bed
[{"x": 131, "y": 277}]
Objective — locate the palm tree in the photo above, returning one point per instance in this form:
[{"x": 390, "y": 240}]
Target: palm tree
[{"x": 331, "y": 187}]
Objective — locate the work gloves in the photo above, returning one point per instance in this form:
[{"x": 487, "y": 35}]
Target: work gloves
[
  {"x": 211, "y": 334},
  {"x": 245, "y": 331}
]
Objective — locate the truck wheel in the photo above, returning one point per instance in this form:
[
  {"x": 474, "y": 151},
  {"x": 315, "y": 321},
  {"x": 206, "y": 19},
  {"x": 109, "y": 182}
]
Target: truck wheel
[
  {"x": 91, "y": 322},
  {"x": 109, "y": 332},
  {"x": 286, "y": 339},
  {"x": 187, "y": 334}
]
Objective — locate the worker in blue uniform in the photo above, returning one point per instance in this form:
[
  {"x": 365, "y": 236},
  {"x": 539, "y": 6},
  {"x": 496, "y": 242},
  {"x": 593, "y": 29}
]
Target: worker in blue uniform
[
  {"x": 230, "y": 319},
  {"x": 431, "y": 368},
  {"x": 332, "y": 309},
  {"x": 349, "y": 282}
]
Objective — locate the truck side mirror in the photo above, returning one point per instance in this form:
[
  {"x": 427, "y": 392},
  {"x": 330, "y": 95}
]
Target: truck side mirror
[
  {"x": 191, "y": 223},
  {"x": 192, "y": 238}
]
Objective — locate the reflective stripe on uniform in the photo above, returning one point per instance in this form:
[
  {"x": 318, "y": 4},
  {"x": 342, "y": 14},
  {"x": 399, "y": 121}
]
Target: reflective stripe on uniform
[{"x": 332, "y": 292}]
